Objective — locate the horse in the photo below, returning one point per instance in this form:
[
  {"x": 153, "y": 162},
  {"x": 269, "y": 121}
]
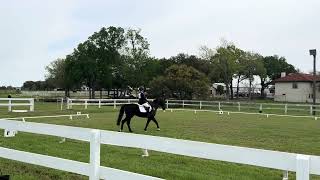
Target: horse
[{"x": 133, "y": 110}]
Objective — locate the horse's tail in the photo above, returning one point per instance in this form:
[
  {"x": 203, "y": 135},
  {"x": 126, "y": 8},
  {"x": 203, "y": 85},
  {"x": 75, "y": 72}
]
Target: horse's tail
[{"x": 120, "y": 114}]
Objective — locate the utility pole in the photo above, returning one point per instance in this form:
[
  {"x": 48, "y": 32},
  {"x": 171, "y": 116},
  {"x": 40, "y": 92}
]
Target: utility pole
[{"x": 313, "y": 52}]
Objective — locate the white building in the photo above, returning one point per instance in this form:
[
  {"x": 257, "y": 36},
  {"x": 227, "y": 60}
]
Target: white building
[{"x": 296, "y": 87}]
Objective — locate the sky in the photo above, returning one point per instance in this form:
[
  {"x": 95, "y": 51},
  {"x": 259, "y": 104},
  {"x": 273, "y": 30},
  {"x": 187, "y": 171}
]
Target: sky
[{"x": 33, "y": 33}]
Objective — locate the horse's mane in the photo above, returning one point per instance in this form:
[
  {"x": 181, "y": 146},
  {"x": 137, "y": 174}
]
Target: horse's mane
[{"x": 157, "y": 100}]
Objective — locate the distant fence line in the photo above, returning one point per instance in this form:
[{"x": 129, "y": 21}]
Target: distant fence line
[
  {"x": 97, "y": 102},
  {"x": 215, "y": 105}
]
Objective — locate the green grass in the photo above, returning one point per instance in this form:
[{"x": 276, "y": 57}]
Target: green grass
[{"x": 298, "y": 135}]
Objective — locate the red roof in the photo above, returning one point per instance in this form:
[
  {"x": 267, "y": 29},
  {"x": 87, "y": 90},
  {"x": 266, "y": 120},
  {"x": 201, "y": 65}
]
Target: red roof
[{"x": 297, "y": 77}]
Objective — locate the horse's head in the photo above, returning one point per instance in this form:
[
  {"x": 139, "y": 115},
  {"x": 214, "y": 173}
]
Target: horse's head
[{"x": 160, "y": 102}]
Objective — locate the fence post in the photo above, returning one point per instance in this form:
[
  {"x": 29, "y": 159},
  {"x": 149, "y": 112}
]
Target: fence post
[
  {"x": 285, "y": 175},
  {"x": 86, "y": 104},
  {"x": 67, "y": 100},
  {"x": 10, "y": 105},
  {"x": 239, "y": 106},
  {"x": 69, "y": 103},
  {"x": 219, "y": 106},
  {"x": 167, "y": 104},
  {"x": 99, "y": 103},
  {"x": 95, "y": 155},
  {"x": 285, "y": 108},
  {"x": 32, "y": 105},
  {"x": 114, "y": 104},
  {"x": 61, "y": 106},
  {"x": 182, "y": 103},
  {"x": 200, "y": 104},
  {"x": 302, "y": 170},
  {"x": 311, "y": 110}
]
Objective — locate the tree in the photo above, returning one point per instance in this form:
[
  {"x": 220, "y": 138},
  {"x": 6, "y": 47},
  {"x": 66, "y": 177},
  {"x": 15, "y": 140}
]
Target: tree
[
  {"x": 240, "y": 70},
  {"x": 59, "y": 75},
  {"x": 96, "y": 58},
  {"x": 56, "y": 72},
  {"x": 109, "y": 58},
  {"x": 225, "y": 65},
  {"x": 220, "y": 89},
  {"x": 274, "y": 65},
  {"x": 159, "y": 87},
  {"x": 254, "y": 66},
  {"x": 183, "y": 82},
  {"x": 136, "y": 59},
  {"x": 206, "y": 53},
  {"x": 199, "y": 64},
  {"x": 37, "y": 86}
]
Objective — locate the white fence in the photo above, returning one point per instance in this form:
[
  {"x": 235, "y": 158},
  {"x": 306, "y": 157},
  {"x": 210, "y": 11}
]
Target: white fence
[
  {"x": 71, "y": 116},
  {"x": 214, "y": 105},
  {"x": 303, "y": 165},
  {"x": 98, "y": 102},
  {"x": 12, "y": 102},
  {"x": 91, "y": 169},
  {"x": 245, "y": 106}
]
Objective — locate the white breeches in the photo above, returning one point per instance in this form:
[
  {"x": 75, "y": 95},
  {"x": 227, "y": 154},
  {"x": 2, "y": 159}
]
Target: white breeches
[{"x": 146, "y": 105}]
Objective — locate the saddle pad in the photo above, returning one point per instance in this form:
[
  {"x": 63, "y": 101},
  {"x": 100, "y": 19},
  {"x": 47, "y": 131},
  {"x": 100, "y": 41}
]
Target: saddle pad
[{"x": 142, "y": 109}]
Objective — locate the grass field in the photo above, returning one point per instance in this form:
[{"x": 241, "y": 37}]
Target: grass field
[{"x": 298, "y": 135}]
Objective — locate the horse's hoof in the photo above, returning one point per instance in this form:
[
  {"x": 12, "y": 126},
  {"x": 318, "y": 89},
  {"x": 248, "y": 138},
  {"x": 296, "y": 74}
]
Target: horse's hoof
[
  {"x": 158, "y": 129},
  {"x": 120, "y": 130},
  {"x": 145, "y": 130}
]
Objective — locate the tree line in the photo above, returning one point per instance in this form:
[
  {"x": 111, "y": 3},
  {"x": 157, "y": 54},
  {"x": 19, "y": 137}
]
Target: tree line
[{"x": 115, "y": 58}]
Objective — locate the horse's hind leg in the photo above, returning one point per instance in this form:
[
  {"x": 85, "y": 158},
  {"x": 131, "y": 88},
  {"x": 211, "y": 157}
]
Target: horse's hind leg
[
  {"x": 127, "y": 119},
  {"x": 128, "y": 124},
  {"x": 156, "y": 122},
  {"x": 122, "y": 122}
]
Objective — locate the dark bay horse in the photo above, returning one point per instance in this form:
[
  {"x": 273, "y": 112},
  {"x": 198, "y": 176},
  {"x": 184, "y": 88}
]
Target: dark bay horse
[{"x": 133, "y": 110}]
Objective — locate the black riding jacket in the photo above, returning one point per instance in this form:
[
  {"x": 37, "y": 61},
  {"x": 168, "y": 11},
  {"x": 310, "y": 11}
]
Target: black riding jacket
[{"x": 142, "y": 98}]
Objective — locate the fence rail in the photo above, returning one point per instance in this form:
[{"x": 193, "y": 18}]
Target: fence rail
[
  {"x": 91, "y": 169},
  {"x": 214, "y": 105},
  {"x": 303, "y": 165},
  {"x": 97, "y": 102},
  {"x": 12, "y": 102}
]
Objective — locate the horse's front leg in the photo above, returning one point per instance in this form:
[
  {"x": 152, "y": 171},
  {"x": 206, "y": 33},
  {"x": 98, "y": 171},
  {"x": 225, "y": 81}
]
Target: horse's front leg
[
  {"x": 148, "y": 121},
  {"x": 155, "y": 121},
  {"x": 128, "y": 124}
]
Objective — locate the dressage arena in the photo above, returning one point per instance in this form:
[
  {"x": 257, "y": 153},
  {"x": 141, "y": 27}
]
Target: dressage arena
[{"x": 285, "y": 128}]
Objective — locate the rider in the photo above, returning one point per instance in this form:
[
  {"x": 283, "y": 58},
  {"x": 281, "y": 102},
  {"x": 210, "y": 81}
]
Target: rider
[{"x": 143, "y": 100}]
